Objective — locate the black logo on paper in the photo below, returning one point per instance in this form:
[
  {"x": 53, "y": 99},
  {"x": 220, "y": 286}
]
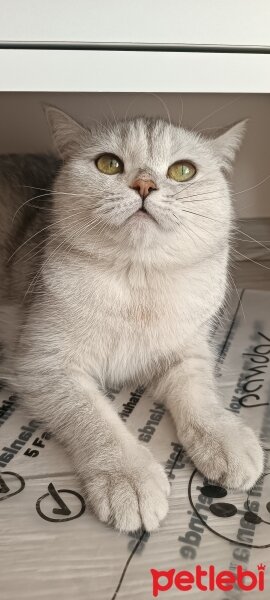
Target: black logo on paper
[
  {"x": 248, "y": 512},
  {"x": 60, "y": 505},
  {"x": 10, "y": 484}
]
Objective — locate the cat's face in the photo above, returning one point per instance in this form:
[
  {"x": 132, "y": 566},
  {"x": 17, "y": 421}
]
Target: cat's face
[{"x": 144, "y": 187}]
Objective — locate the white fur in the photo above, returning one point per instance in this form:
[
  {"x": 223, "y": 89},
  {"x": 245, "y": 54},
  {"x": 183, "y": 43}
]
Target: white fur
[{"x": 124, "y": 298}]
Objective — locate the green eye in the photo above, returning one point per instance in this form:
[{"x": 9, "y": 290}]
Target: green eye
[
  {"x": 181, "y": 170},
  {"x": 109, "y": 164}
]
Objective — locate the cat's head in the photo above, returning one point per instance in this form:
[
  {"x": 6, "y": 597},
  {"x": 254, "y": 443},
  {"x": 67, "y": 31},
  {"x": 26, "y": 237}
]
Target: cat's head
[{"x": 143, "y": 188}]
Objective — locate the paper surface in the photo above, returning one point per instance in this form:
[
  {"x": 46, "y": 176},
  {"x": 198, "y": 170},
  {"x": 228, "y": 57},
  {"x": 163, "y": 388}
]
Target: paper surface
[{"x": 52, "y": 548}]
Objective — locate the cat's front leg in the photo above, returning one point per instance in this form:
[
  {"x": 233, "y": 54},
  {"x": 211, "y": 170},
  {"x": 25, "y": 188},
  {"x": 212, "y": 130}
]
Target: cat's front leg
[
  {"x": 220, "y": 445},
  {"x": 122, "y": 482}
]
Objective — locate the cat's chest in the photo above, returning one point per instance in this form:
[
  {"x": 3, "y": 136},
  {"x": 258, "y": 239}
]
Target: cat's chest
[
  {"x": 121, "y": 332},
  {"x": 134, "y": 333},
  {"x": 133, "y": 341}
]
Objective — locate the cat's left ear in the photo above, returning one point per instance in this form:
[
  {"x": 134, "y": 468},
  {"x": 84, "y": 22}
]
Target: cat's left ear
[
  {"x": 68, "y": 135},
  {"x": 228, "y": 142}
]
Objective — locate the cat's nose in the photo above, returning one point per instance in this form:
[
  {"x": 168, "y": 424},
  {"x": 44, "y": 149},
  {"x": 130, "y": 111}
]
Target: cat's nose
[{"x": 143, "y": 187}]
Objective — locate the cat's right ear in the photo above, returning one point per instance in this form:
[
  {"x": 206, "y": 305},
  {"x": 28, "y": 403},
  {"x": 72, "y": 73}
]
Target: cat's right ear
[{"x": 67, "y": 134}]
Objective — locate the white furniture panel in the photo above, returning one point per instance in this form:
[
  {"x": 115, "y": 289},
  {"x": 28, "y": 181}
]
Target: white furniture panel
[
  {"x": 133, "y": 71},
  {"x": 179, "y": 22}
]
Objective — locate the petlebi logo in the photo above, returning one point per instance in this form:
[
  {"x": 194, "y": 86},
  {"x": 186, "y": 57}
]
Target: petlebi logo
[{"x": 207, "y": 579}]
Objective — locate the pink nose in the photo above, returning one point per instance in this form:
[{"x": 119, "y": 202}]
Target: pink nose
[{"x": 143, "y": 187}]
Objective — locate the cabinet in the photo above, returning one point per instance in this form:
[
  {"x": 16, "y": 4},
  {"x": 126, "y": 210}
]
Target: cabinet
[{"x": 147, "y": 45}]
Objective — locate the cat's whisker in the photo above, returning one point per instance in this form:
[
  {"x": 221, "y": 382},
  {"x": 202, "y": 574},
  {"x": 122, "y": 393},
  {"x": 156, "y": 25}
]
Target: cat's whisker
[
  {"x": 27, "y": 202},
  {"x": 130, "y": 104},
  {"x": 48, "y": 208},
  {"x": 209, "y": 232},
  {"x": 234, "y": 228},
  {"x": 163, "y": 104},
  {"x": 51, "y": 191},
  {"x": 187, "y": 231},
  {"x": 53, "y": 209},
  {"x": 184, "y": 187},
  {"x": 200, "y": 215},
  {"x": 184, "y": 225},
  {"x": 199, "y": 237},
  {"x": 30, "y": 252},
  {"x": 237, "y": 293},
  {"x": 184, "y": 199},
  {"x": 38, "y": 273},
  {"x": 250, "y": 237},
  {"x": 81, "y": 231},
  {"x": 232, "y": 232},
  {"x": 35, "y": 279},
  {"x": 206, "y": 193},
  {"x": 37, "y": 233},
  {"x": 202, "y": 200},
  {"x": 180, "y": 120},
  {"x": 116, "y": 121},
  {"x": 103, "y": 125},
  {"x": 234, "y": 238},
  {"x": 38, "y": 247},
  {"x": 253, "y": 187},
  {"x": 40, "y": 244},
  {"x": 56, "y": 193},
  {"x": 214, "y": 112},
  {"x": 105, "y": 211},
  {"x": 250, "y": 259}
]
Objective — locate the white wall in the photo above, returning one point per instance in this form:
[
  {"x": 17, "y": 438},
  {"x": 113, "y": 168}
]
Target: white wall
[{"x": 23, "y": 127}]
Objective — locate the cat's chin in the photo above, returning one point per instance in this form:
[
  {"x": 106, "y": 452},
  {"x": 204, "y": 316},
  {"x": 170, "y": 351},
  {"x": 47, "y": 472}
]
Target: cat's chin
[{"x": 142, "y": 217}]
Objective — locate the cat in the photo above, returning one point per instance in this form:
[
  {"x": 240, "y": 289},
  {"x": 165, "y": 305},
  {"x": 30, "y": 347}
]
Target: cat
[{"x": 114, "y": 266}]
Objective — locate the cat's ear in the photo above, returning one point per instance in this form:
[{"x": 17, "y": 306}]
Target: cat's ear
[
  {"x": 228, "y": 142},
  {"x": 67, "y": 134}
]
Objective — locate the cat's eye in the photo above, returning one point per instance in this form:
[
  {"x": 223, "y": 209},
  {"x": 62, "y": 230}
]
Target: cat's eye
[
  {"x": 109, "y": 164},
  {"x": 182, "y": 170}
]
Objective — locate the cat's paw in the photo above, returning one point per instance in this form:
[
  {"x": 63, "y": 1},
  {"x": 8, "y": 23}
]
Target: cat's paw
[
  {"x": 133, "y": 496},
  {"x": 233, "y": 458}
]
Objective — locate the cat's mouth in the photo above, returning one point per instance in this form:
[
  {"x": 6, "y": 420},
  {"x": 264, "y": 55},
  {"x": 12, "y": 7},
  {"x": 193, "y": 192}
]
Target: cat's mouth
[{"x": 142, "y": 213}]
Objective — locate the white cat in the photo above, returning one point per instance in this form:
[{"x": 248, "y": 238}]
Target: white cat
[{"x": 131, "y": 268}]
